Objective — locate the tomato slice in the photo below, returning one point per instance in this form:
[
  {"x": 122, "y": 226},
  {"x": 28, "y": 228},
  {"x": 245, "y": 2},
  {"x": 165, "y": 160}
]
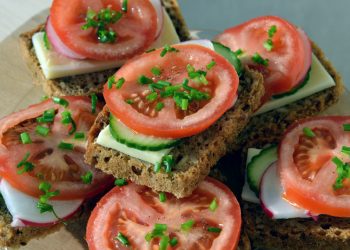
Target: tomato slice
[
  {"x": 133, "y": 210},
  {"x": 171, "y": 121},
  {"x": 135, "y": 31},
  {"x": 61, "y": 168},
  {"x": 289, "y": 59},
  {"x": 307, "y": 171}
]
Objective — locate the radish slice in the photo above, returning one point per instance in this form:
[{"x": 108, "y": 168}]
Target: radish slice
[
  {"x": 157, "y": 4},
  {"x": 58, "y": 45},
  {"x": 203, "y": 42},
  {"x": 271, "y": 200},
  {"x": 23, "y": 208}
]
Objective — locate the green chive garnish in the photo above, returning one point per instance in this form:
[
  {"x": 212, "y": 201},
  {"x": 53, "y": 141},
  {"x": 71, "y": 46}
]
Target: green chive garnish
[
  {"x": 168, "y": 162},
  {"x": 186, "y": 226},
  {"x": 214, "y": 229},
  {"x": 157, "y": 167},
  {"x": 238, "y": 52},
  {"x": 46, "y": 41},
  {"x": 271, "y": 32},
  {"x": 160, "y": 227},
  {"x": 144, "y": 80},
  {"x": 343, "y": 171},
  {"x": 87, "y": 178},
  {"x": 42, "y": 204},
  {"x": 25, "y": 138},
  {"x": 120, "y": 182},
  {"x": 43, "y": 131},
  {"x": 110, "y": 81},
  {"x": 268, "y": 45},
  {"x": 27, "y": 166},
  {"x": 125, "y": 6},
  {"x": 122, "y": 239},
  {"x": 156, "y": 71},
  {"x": 65, "y": 146},
  {"x": 120, "y": 83},
  {"x": 67, "y": 119},
  {"x": 164, "y": 242},
  {"x": 173, "y": 242},
  {"x": 60, "y": 101},
  {"x": 93, "y": 103},
  {"x": 184, "y": 104},
  {"x": 346, "y": 127},
  {"x": 79, "y": 135},
  {"x": 167, "y": 49},
  {"x": 213, "y": 205},
  {"x": 150, "y": 50},
  {"x": 162, "y": 197},
  {"x": 259, "y": 60},
  {"x": 129, "y": 101},
  {"x": 48, "y": 116},
  {"x": 211, "y": 65},
  {"x": 308, "y": 132},
  {"x": 152, "y": 97},
  {"x": 44, "y": 98},
  {"x": 159, "y": 106},
  {"x": 345, "y": 150}
]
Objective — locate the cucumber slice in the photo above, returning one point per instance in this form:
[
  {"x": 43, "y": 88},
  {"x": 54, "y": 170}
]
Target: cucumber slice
[
  {"x": 229, "y": 55},
  {"x": 126, "y": 136},
  {"x": 257, "y": 166}
]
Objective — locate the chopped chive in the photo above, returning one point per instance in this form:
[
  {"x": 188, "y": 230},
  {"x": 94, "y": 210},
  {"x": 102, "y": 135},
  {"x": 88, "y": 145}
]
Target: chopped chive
[
  {"x": 93, "y": 103},
  {"x": 65, "y": 146},
  {"x": 168, "y": 162},
  {"x": 186, "y": 226},
  {"x": 148, "y": 236},
  {"x": 129, "y": 101},
  {"x": 144, "y": 80},
  {"x": 25, "y": 138},
  {"x": 79, "y": 135},
  {"x": 167, "y": 48},
  {"x": 214, "y": 229},
  {"x": 46, "y": 41},
  {"x": 159, "y": 106},
  {"x": 162, "y": 197},
  {"x": 156, "y": 71},
  {"x": 213, "y": 205},
  {"x": 87, "y": 178},
  {"x": 184, "y": 104},
  {"x": 27, "y": 166},
  {"x": 238, "y": 52},
  {"x": 157, "y": 167},
  {"x": 160, "y": 227},
  {"x": 43, "y": 131},
  {"x": 60, "y": 101},
  {"x": 345, "y": 150},
  {"x": 44, "y": 98},
  {"x": 259, "y": 60},
  {"x": 122, "y": 239},
  {"x": 120, "y": 182},
  {"x": 110, "y": 81},
  {"x": 67, "y": 119},
  {"x": 346, "y": 127},
  {"x": 268, "y": 45},
  {"x": 211, "y": 65},
  {"x": 120, "y": 82},
  {"x": 125, "y": 6},
  {"x": 337, "y": 161},
  {"x": 48, "y": 116},
  {"x": 190, "y": 68},
  {"x": 271, "y": 32},
  {"x": 150, "y": 50},
  {"x": 308, "y": 132},
  {"x": 24, "y": 160},
  {"x": 164, "y": 242},
  {"x": 343, "y": 171},
  {"x": 173, "y": 242},
  {"x": 152, "y": 97}
]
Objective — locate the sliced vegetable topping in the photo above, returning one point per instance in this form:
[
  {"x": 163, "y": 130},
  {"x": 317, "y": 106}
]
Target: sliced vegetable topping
[
  {"x": 147, "y": 223},
  {"x": 183, "y": 100}
]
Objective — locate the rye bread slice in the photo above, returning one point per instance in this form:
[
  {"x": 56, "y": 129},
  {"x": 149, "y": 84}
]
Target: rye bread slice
[
  {"x": 194, "y": 156},
  {"x": 85, "y": 84}
]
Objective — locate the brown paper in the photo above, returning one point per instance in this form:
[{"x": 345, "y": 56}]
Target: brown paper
[{"x": 17, "y": 92}]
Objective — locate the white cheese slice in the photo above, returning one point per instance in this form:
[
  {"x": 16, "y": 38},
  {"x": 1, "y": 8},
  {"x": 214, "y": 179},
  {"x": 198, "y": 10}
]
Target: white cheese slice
[
  {"x": 247, "y": 193},
  {"x": 106, "y": 139},
  {"x": 55, "y": 65},
  {"x": 24, "y": 207},
  {"x": 319, "y": 80}
]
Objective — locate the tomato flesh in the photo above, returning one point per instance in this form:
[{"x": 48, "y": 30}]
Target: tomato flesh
[
  {"x": 133, "y": 211},
  {"x": 289, "y": 59},
  {"x": 170, "y": 121},
  {"x": 307, "y": 171},
  {"x": 59, "y": 167},
  {"x": 135, "y": 31}
]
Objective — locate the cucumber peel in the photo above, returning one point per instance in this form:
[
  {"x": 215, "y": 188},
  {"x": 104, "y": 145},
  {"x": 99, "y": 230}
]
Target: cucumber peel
[{"x": 229, "y": 55}]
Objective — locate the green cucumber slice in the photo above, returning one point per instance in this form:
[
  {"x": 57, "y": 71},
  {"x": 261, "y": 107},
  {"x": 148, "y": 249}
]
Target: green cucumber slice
[
  {"x": 257, "y": 166},
  {"x": 295, "y": 89},
  {"x": 126, "y": 136},
  {"x": 229, "y": 55}
]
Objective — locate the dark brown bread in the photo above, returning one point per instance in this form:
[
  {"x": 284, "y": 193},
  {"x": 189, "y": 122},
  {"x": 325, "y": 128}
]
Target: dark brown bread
[
  {"x": 194, "y": 156},
  {"x": 89, "y": 83},
  {"x": 325, "y": 233}
]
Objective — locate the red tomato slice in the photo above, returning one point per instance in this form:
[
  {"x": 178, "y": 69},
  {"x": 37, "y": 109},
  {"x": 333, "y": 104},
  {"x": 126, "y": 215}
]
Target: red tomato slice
[
  {"x": 61, "y": 168},
  {"x": 306, "y": 168},
  {"x": 171, "y": 122},
  {"x": 133, "y": 210},
  {"x": 289, "y": 60},
  {"x": 136, "y": 30}
]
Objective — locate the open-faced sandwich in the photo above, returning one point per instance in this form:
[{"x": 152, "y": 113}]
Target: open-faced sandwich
[
  {"x": 44, "y": 179},
  {"x": 82, "y": 43}
]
